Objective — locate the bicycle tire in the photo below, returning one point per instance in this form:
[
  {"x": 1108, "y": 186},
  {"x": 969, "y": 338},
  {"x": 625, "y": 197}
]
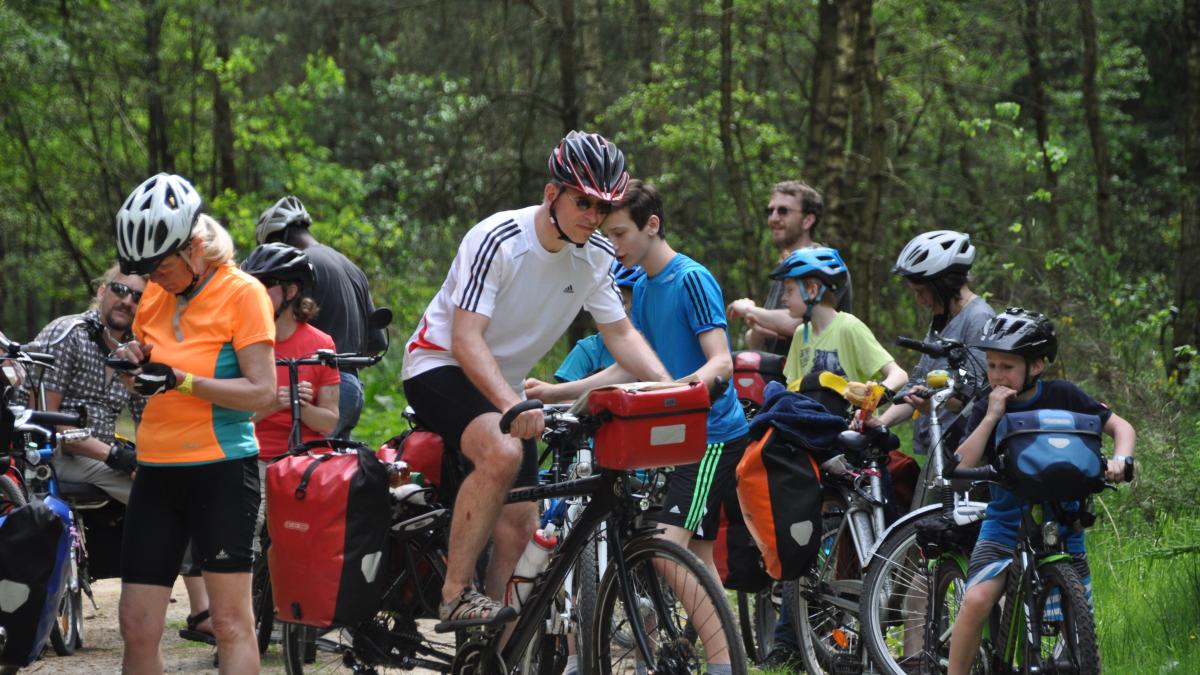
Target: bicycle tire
[
  {"x": 658, "y": 599},
  {"x": 587, "y": 584},
  {"x": 64, "y": 635},
  {"x": 745, "y": 617},
  {"x": 1073, "y": 639},
  {"x": 828, "y": 635},
  {"x": 893, "y": 576},
  {"x": 12, "y": 494},
  {"x": 262, "y": 602}
]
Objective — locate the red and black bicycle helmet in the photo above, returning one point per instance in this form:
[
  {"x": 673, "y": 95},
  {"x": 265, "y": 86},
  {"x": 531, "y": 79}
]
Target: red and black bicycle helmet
[{"x": 591, "y": 164}]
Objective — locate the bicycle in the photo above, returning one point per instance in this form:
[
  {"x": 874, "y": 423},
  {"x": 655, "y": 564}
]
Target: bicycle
[
  {"x": 901, "y": 608},
  {"x": 659, "y": 632},
  {"x": 1046, "y": 624}
]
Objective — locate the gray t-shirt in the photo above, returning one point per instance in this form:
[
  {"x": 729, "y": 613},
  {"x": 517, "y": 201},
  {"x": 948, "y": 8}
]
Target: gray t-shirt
[{"x": 964, "y": 327}]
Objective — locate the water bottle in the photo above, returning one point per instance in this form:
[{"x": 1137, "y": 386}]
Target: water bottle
[{"x": 533, "y": 562}]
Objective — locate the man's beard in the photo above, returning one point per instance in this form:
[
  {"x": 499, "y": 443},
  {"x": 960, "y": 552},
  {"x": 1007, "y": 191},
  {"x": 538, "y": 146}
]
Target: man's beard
[{"x": 118, "y": 327}]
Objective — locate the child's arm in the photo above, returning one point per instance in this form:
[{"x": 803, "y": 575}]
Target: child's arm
[
  {"x": 715, "y": 345},
  {"x": 971, "y": 449},
  {"x": 1123, "y": 437},
  {"x": 569, "y": 391},
  {"x": 894, "y": 376}
]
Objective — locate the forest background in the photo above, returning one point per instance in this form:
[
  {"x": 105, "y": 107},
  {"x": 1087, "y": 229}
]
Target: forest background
[{"x": 1064, "y": 136}]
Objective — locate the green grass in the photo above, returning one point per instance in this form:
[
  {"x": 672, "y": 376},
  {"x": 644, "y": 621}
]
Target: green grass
[{"x": 1146, "y": 587}]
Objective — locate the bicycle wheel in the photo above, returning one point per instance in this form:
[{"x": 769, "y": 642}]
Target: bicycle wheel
[
  {"x": 1068, "y": 629},
  {"x": 666, "y": 579},
  {"x": 262, "y": 602},
  {"x": 65, "y": 636},
  {"x": 828, "y": 630},
  {"x": 757, "y": 615}
]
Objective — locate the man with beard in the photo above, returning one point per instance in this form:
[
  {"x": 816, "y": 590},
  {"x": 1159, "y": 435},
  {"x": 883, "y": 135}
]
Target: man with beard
[
  {"x": 792, "y": 215},
  {"x": 79, "y": 343}
]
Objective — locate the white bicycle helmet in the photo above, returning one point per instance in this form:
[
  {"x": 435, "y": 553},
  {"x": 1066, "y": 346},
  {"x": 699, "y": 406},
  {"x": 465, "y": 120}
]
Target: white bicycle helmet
[
  {"x": 933, "y": 254},
  {"x": 286, "y": 211},
  {"x": 155, "y": 221}
]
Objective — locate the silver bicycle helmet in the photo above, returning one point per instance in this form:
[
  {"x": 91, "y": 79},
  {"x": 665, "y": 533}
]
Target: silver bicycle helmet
[
  {"x": 933, "y": 254},
  {"x": 286, "y": 211},
  {"x": 155, "y": 221}
]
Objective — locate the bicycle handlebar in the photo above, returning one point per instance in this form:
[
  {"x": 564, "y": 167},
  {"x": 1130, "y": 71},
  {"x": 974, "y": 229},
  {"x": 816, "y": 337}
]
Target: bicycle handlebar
[
  {"x": 328, "y": 358},
  {"x": 511, "y": 414},
  {"x": 45, "y": 418}
]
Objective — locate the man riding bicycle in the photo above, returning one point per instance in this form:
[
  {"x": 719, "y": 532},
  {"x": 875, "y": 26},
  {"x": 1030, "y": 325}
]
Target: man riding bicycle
[{"x": 519, "y": 279}]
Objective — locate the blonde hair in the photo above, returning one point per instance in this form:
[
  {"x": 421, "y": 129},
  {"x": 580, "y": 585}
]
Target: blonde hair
[
  {"x": 215, "y": 241},
  {"x": 103, "y": 280}
]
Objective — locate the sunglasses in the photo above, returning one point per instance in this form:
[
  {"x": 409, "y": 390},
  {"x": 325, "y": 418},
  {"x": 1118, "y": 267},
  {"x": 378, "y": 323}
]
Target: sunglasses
[
  {"x": 781, "y": 210},
  {"x": 122, "y": 291},
  {"x": 585, "y": 204}
]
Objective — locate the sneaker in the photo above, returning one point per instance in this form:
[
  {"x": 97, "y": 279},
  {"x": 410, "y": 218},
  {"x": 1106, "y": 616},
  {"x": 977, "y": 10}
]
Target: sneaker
[
  {"x": 783, "y": 657},
  {"x": 472, "y": 608}
]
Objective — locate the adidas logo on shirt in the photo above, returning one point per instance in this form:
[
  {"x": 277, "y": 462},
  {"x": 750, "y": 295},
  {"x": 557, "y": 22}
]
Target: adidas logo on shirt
[{"x": 569, "y": 289}]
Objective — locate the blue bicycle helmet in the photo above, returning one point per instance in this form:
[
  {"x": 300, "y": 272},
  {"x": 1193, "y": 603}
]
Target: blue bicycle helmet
[
  {"x": 626, "y": 276},
  {"x": 821, "y": 262}
]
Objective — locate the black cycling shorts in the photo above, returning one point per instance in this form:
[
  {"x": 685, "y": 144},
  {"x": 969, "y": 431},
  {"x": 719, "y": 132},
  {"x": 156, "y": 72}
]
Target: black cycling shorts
[
  {"x": 213, "y": 505},
  {"x": 447, "y": 402},
  {"x": 695, "y": 492}
]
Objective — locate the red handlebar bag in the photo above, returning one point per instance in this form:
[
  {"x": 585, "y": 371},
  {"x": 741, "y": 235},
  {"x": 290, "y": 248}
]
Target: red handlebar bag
[
  {"x": 663, "y": 426},
  {"x": 327, "y": 518}
]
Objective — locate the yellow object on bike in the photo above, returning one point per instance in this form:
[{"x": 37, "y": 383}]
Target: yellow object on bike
[{"x": 936, "y": 379}]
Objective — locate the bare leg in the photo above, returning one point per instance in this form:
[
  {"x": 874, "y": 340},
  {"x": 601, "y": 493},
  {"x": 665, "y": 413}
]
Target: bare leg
[
  {"x": 510, "y": 537},
  {"x": 480, "y": 499},
  {"x": 233, "y": 621},
  {"x": 968, "y": 627},
  {"x": 142, "y": 615},
  {"x": 693, "y": 601}
]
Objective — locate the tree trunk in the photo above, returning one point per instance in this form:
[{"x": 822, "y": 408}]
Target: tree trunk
[
  {"x": 1091, "y": 110},
  {"x": 1037, "y": 84},
  {"x": 158, "y": 153},
  {"x": 226, "y": 170},
  {"x": 1187, "y": 273},
  {"x": 823, "y": 74},
  {"x": 647, "y": 31},
  {"x": 832, "y": 178},
  {"x": 876, "y": 145},
  {"x": 566, "y": 64},
  {"x": 748, "y": 225}
]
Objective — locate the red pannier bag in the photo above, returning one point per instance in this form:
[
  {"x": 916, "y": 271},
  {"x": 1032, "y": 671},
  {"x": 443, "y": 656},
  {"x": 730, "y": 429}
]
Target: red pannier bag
[
  {"x": 327, "y": 517},
  {"x": 422, "y": 450},
  {"x": 752, "y": 371},
  {"x": 653, "y": 427}
]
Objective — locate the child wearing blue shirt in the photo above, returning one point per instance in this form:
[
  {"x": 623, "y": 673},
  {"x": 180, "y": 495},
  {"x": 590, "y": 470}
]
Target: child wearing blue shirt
[{"x": 1018, "y": 345}]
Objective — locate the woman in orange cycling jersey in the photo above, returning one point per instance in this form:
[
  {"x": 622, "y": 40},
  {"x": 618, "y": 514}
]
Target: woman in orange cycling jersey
[{"x": 204, "y": 339}]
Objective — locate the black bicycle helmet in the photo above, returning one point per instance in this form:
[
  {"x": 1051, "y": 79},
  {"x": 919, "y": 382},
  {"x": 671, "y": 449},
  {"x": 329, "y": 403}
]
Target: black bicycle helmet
[
  {"x": 281, "y": 262},
  {"x": 1021, "y": 332},
  {"x": 591, "y": 164}
]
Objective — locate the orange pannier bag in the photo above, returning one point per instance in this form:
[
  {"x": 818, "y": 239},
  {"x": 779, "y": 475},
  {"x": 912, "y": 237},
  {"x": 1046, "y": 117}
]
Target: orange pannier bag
[{"x": 779, "y": 489}]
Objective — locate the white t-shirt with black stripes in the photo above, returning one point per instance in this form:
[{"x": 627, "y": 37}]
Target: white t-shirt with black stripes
[{"x": 530, "y": 294}]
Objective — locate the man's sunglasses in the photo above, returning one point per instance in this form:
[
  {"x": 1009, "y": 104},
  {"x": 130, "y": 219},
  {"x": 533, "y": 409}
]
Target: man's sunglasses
[
  {"x": 122, "y": 291},
  {"x": 584, "y": 204},
  {"x": 782, "y": 210}
]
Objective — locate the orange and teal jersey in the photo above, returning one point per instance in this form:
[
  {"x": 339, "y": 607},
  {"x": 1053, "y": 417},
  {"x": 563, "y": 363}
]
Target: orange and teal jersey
[{"x": 229, "y": 311}]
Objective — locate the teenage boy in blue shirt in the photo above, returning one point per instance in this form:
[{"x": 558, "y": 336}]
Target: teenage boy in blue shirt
[
  {"x": 679, "y": 308},
  {"x": 1018, "y": 345}
]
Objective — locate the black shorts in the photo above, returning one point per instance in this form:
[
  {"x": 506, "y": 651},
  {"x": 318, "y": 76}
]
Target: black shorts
[
  {"x": 447, "y": 402},
  {"x": 695, "y": 492},
  {"x": 212, "y": 505}
]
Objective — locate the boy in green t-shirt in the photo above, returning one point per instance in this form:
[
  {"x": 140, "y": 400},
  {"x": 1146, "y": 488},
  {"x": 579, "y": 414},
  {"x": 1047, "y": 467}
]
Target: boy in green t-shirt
[{"x": 828, "y": 339}]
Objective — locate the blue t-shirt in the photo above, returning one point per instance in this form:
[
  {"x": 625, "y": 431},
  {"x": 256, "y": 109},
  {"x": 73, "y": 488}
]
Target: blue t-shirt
[
  {"x": 1004, "y": 509},
  {"x": 672, "y": 308},
  {"x": 588, "y": 357}
]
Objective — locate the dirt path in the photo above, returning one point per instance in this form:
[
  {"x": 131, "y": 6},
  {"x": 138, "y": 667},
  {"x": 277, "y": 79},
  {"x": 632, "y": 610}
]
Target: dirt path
[{"x": 101, "y": 651}]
